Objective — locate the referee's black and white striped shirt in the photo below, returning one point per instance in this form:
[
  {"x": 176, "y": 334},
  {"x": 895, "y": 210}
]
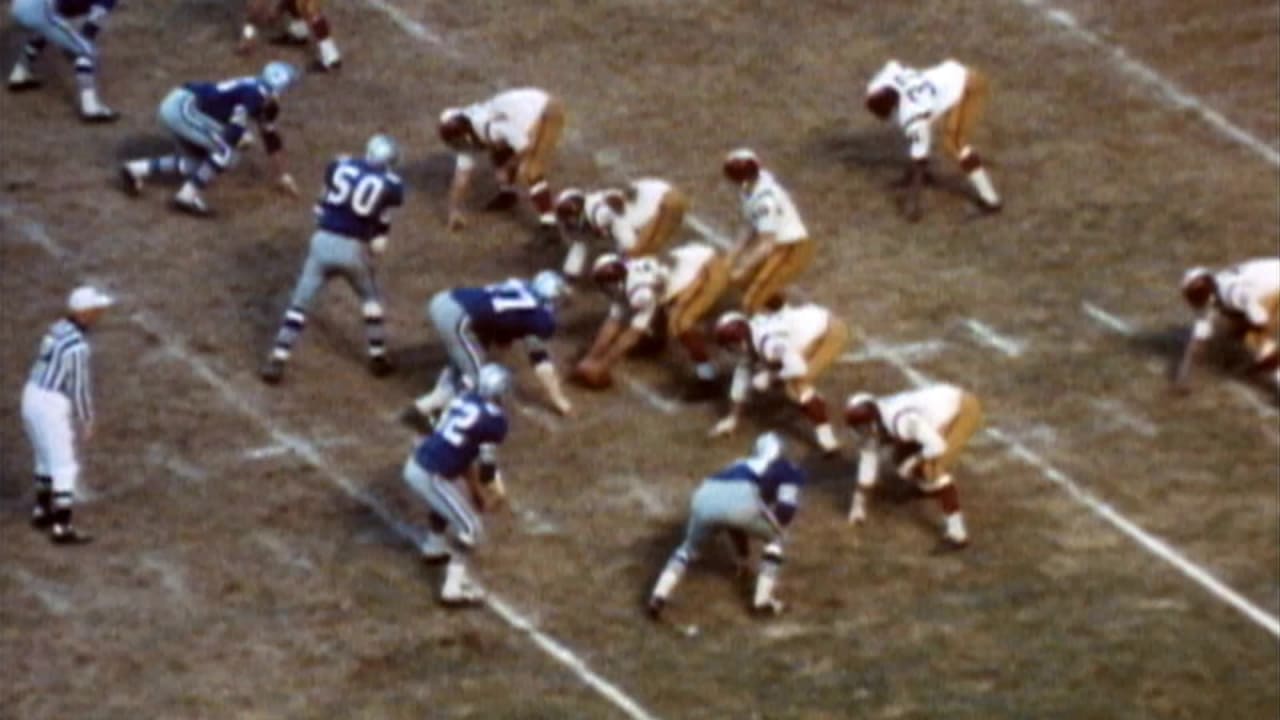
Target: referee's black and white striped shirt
[{"x": 63, "y": 366}]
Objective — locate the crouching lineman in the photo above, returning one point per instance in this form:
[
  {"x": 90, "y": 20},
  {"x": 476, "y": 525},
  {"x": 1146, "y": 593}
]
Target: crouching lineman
[
  {"x": 793, "y": 345},
  {"x": 51, "y": 20},
  {"x": 306, "y": 20},
  {"x": 638, "y": 221},
  {"x": 756, "y": 497},
  {"x": 59, "y": 383},
  {"x": 683, "y": 287},
  {"x": 949, "y": 92},
  {"x": 520, "y": 130},
  {"x": 1243, "y": 297},
  {"x": 925, "y": 430},
  {"x": 444, "y": 472},
  {"x": 773, "y": 247},
  {"x": 209, "y": 120},
  {"x": 353, "y": 219},
  {"x": 471, "y": 319}
]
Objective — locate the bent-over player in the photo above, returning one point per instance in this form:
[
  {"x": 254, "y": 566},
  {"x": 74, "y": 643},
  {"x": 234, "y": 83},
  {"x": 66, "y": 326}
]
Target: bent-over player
[
  {"x": 58, "y": 385},
  {"x": 1242, "y": 299},
  {"x": 209, "y": 120},
  {"x": 306, "y": 20},
  {"x": 51, "y": 20},
  {"x": 924, "y": 430},
  {"x": 755, "y": 497},
  {"x": 443, "y": 470},
  {"x": 353, "y": 219}
]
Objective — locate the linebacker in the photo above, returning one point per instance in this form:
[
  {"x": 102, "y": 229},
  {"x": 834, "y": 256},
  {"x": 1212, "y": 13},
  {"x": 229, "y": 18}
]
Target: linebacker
[
  {"x": 58, "y": 385},
  {"x": 925, "y": 430},
  {"x": 306, "y": 20},
  {"x": 639, "y": 220},
  {"x": 443, "y": 471},
  {"x": 353, "y": 219},
  {"x": 51, "y": 20},
  {"x": 1242, "y": 299},
  {"x": 950, "y": 93},
  {"x": 756, "y": 497},
  {"x": 209, "y": 121}
]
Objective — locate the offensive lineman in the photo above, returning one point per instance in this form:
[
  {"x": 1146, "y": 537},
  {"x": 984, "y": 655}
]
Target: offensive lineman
[
  {"x": 520, "y": 130},
  {"x": 50, "y": 20},
  {"x": 209, "y": 120},
  {"x": 773, "y": 247},
  {"x": 925, "y": 430},
  {"x": 755, "y": 497},
  {"x": 950, "y": 92},
  {"x": 306, "y": 19},
  {"x": 443, "y": 471},
  {"x": 683, "y": 286},
  {"x": 353, "y": 219},
  {"x": 793, "y": 345},
  {"x": 639, "y": 221},
  {"x": 1245, "y": 297},
  {"x": 58, "y": 384},
  {"x": 471, "y": 319}
]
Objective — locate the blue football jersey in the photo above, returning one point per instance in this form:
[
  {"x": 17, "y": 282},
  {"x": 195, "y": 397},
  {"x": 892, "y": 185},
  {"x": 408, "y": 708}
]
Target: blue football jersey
[
  {"x": 468, "y": 422},
  {"x": 779, "y": 483},
  {"x": 358, "y": 199},
  {"x": 238, "y": 100},
  {"x": 506, "y": 312}
]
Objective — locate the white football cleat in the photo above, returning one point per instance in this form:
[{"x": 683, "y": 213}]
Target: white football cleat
[
  {"x": 189, "y": 200},
  {"x": 130, "y": 181},
  {"x": 22, "y": 79}
]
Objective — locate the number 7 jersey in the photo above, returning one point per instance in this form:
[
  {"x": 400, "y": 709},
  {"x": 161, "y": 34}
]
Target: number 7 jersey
[
  {"x": 358, "y": 199},
  {"x": 468, "y": 424}
]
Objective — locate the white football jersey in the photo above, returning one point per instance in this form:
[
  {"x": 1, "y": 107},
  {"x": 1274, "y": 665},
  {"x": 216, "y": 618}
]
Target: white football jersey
[
  {"x": 785, "y": 335},
  {"x": 1247, "y": 286},
  {"x": 641, "y": 202},
  {"x": 509, "y": 117},
  {"x": 687, "y": 262},
  {"x": 643, "y": 291},
  {"x": 769, "y": 209},
  {"x": 923, "y": 96},
  {"x": 920, "y": 415}
]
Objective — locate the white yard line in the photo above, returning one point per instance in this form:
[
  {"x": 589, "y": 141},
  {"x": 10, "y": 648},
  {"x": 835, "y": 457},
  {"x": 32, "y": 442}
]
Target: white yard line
[
  {"x": 1123, "y": 416},
  {"x": 657, "y": 400},
  {"x": 1145, "y": 75},
  {"x": 987, "y": 335},
  {"x": 1114, "y": 322},
  {"x": 907, "y": 351},
  {"x": 53, "y": 598}
]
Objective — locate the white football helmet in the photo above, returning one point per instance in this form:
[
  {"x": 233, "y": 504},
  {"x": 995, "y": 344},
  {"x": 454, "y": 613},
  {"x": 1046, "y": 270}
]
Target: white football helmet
[
  {"x": 493, "y": 382},
  {"x": 278, "y": 76},
  {"x": 382, "y": 151},
  {"x": 548, "y": 286},
  {"x": 768, "y": 447}
]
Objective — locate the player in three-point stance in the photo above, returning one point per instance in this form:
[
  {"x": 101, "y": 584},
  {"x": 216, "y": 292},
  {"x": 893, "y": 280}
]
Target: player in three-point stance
[
  {"x": 925, "y": 430},
  {"x": 57, "y": 386},
  {"x": 469, "y": 320},
  {"x": 639, "y": 220},
  {"x": 755, "y": 497},
  {"x": 353, "y": 219},
  {"x": 950, "y": 93},
  {"x": 1242, "y": 299},
  {"x": 209, "y": 120},
  {"x": 306, "y": 20},
  {"x": 444, "y": 471},
  {"x": 519, "y": 129},
  {"x": 51, "y": 20}
]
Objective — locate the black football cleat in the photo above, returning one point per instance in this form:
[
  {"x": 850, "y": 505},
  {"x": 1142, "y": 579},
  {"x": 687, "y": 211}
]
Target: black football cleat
[
  {"x": 68, "y": 535},
  {"x": 380, "y": 366}
]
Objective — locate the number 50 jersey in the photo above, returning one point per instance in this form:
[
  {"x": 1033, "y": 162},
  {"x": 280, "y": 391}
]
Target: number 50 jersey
[
  {"x": 358, "y": 199},
  {"x": 469, "y": 423}
]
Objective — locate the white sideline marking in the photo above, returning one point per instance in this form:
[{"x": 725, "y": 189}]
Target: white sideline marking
[
  {"x": 989, "y": 337},
  {"x": 1124, "y": 417},
  {"x": 906, "y": 351},
  {"x": 641, "y": 390},
  {"x": 1138, "y": 70},
  {"x": 50, "y": 597},
  {"x": 415, "y": 29},
  {"x": 1114, "y": 322}
]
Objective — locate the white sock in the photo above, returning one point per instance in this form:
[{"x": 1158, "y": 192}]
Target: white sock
[
  {"x": 576, "y": 261},
  {"x": 298, "y": 29},
  {"x": 329, "y": 55},
  {"x": 982, "y": 183},
  {"x": 667, "y": 581},
  {"x": 826, "y": 437},
  {"x": 139, "y": 168},
  {"x": 955, "y": 527}
]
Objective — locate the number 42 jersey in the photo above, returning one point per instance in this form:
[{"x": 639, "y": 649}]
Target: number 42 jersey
[
  {"x": 469, "y": 423},
  {"x": 358, "y": 199}
]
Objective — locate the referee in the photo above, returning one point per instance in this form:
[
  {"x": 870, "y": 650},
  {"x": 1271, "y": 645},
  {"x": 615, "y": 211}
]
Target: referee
[{"x": 59, "y": 383}]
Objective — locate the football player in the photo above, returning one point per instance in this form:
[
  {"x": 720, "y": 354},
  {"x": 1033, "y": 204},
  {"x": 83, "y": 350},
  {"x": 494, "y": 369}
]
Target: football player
[
  {"x": 683, "y": 286},
  {"x": 948, "y": 93},
  {"x": 519, "y": 129},
  {"x": 52, "y": 20},
  {"x": 773, "y": 247},
  {"x": 793, "y": 345},
  {"x": 755, "y": 497},
  {"x": 1243, "y": 300},
  {"x": 306, "y": 20},
  {"x": 209, "y": 120},
  {"x": 639, "y": 220},
  {"x": 455, "y": 470},
  {"x": 924, "y": 430}
]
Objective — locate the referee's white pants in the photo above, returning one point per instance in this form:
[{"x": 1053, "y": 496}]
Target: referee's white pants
[
  {"x": 448, "y": 498},
  {"x": 46, "y": 415}
]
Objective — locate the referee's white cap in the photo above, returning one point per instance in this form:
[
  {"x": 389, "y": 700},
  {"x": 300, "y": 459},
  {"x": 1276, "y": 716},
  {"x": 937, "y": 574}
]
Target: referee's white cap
[{"x": 87, "y": 297}]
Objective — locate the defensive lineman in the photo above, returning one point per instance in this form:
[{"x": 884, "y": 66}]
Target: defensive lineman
[
  {"x": 756, "y": 497},
  {"x": 443, "y": 471},
  {"x": 58, "y": 383},
  {"x": 950, "y": 92},
  {"x": 925, "y": 430},
  {"x": 1243, "y": 299},
  {"x": 639, "y": 220},
  {"x": 209, "y": 120},
  {"x": 51, "y": 20},
  {"x": 353, "y": 218},
  {"x": 306, "y": 19},
  {"x": 471, "y": 319}
]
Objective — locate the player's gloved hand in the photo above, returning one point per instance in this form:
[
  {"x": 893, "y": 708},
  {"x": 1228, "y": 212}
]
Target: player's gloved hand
[
  {"x": 288, "y": 185},
  {"x": 762, "y": 380},
  {"x": 378, "y": 245},
  {"x": 726, "y": 426}
]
